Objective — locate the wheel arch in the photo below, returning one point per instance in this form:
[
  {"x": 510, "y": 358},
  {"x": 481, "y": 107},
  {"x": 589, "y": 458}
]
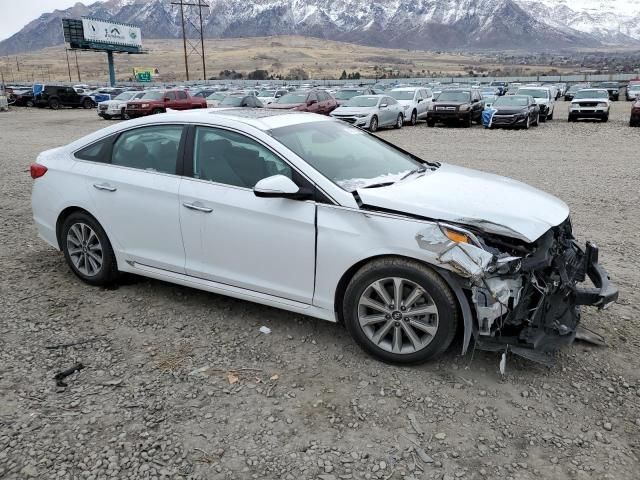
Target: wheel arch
[
  {"x": 466, "y": 316},
  {"x": 68, "y": 211}
]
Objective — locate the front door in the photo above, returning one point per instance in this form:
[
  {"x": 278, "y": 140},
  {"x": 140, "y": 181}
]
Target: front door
[
  {"x": 134, "y": 189},
  {"x": 233, "y": 237}
]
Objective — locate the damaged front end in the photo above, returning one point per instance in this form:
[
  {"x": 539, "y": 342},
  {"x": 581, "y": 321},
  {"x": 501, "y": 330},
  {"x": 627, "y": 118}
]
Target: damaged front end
[{"x": 523, "y": 296}]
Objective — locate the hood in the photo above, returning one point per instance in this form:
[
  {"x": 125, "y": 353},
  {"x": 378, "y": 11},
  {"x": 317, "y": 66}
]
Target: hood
[
  {"x": 541, "y": 101},
  {"x": 285, "y": 106},
  {"x": 353, "y": 110},
  {"x": 449, "y": 104},
  {"x": 488, "y": 202},
  {"x": 510, "y": 110},
  {"x": 590, "y": 100}
]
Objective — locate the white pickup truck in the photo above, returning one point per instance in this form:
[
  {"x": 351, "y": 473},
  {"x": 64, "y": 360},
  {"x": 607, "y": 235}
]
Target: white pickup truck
[
  {"x": 117, "y": 107},
  {"x": 590, "y": 103}
]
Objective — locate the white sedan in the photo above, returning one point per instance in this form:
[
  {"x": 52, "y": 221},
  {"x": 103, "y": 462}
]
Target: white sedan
[{"x": 312, "y": 215}]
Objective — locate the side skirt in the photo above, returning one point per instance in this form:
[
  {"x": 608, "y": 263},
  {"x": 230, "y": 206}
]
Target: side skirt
[{"x": 227, "y": 290}]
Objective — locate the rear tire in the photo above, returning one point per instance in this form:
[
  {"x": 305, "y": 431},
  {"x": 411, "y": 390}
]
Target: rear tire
[
  {"x": 87, "y": 104},
  {"x": 528, "y": 123},
  {"x": 399, "y": 122},
  {"x": 87, "y": 250},
  {"x": 394, "y": 334},
  {"x": 124, "y": 115},
  {"x": 54, "y": 104}
]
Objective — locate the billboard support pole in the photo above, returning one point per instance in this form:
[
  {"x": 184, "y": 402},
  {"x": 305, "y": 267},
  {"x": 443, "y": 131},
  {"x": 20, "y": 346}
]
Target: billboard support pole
[
  {"x": 77, "y": 66},
  {"x": 112, "y": 69},
  {"x": 66, "y": 50}
]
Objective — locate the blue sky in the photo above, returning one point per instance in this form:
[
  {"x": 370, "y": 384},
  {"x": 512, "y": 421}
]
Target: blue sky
[{"x": 15, "y": 14}]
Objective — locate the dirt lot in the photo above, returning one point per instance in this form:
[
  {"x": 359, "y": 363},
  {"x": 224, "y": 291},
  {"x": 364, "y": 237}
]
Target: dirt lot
[{"x": 181, "y": 384}]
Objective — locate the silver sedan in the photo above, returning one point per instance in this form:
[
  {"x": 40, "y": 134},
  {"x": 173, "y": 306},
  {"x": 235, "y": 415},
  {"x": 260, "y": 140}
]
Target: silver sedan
[{"x": 371, "y": 112}]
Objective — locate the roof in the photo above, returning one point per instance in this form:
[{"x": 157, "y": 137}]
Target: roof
[{"x": 260, "y": 118}]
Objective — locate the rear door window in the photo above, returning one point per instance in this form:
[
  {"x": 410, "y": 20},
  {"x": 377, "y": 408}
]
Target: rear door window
[
  {"x": 149, "y": 148},
  {"x": 182, "y": 95}
]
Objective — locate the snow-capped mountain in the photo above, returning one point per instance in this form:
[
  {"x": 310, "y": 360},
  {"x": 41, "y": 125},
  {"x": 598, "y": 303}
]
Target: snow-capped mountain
[{"x": 418, "y": 24}]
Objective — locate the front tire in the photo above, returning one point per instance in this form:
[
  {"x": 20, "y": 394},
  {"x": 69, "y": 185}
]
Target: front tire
[
  {"x": 431, "y": 123},
  {"x": 537, "y": 121},
  {"x": 400, "y": 311},
  {"x": 54, "y": 104},
  {"x": 373, "y": 125},
  {"x": 87, "y": 250},
  {"x": 399, "y": 122},
  {"x": 87, "y": 104},
  {"x": 414, "y": 118}
]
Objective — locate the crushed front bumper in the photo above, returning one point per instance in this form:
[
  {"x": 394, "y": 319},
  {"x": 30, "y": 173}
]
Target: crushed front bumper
[{"x": 604, "y": 292}]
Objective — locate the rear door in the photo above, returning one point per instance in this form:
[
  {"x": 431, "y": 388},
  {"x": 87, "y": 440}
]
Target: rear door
[
  {"x": 182, "y": 100},
  {"x": 233, "y": 237},
  {"x": 172, "y": 102},
  {"x": 133, "y": 184}
]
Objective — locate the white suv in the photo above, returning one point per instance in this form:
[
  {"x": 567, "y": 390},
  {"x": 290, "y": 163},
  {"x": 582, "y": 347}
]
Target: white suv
[
  {"x": 415, "y": 102},
  {"x": 590, "y": 103},
  {"x": 545, "y": 99}
]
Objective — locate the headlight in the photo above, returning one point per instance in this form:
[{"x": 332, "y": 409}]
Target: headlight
[
  {"x": 145, "y": 105},
  {"x": 361, "y": 115},
  {"x": 432, "y": 107},
  {"x": 602, "y": 104},
  {"x": 464, "y": 108}
]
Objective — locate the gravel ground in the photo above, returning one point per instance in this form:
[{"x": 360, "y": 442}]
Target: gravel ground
[{"x": 181, "y": 384}]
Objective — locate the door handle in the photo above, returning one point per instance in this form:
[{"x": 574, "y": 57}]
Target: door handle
[
  {"x": 104, "y": 186},
  {"x": 199, "y": 208}
]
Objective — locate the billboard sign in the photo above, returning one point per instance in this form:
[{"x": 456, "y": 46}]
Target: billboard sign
[
  {"x": 111, "y": 33},
  {"x": 144, "y": 74}
]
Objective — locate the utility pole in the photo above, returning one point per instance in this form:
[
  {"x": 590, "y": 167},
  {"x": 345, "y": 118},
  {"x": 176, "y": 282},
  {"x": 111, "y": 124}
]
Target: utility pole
[
  {"x": 200, "y": 30},
  {"x": 66, "y": 50},
  {"x": 17, "y": 64}
]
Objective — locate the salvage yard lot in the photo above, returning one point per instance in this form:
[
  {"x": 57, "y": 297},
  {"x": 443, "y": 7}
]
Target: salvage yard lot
[{"x": 180, "y": 383}]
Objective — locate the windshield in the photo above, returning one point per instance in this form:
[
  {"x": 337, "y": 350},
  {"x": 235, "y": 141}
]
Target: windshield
[
  {"x": 344, "y": 154},
  {"x": 362, "y": 102},
  {"x": 216, "y": 96},
  {"x": 511, "y": 101},
  {"x": 534, "y": 92},
  {"x": 609, "y": 85},
  {"x": 267, "y": 93},
  {"x": 454, "y": 97},
  {"x": 153, "y": 96},
  {"x": 592, "y": 94},
  {"x": 347, "y": 94},
  {"x": 634, "y": 87},
  {"x": 293, "y": 98},
  {"x": 231, "y": 101},
  {"x": 402, "y": 94},
  {"x": 125, "y": 96},
  {"x": 575, "y": 88}
]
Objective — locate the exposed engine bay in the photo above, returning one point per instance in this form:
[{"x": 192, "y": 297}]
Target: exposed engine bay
[{"x": 525, "y": 296}]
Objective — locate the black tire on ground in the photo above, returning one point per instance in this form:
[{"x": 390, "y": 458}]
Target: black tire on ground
[
  {"x": 415, "y": 272},
  {"x": 30, "y": 103},
  {"x": 107, "y": 117},
  {"x": 373, "y": 126},
  {"x": 468, "y": 122},
  {"x": 550, "y": 117},
  {"x": 156, "y": 111},
  {"x": 124, "y": 115},
  {"x": 414, "y": 117},
  {"x": 536, "y": 123},
  {"x": 54, "y": 104},
  {"x": 543, "y": 118},
  {"x": 399, "y": 122},
  {"x": 527, "y": 123},
  {"x": 605, "y": 119},
  {"x": 108, "y": 273},
  {"x": 431, "y": 122},
  {"x": 87, "y": 103}
]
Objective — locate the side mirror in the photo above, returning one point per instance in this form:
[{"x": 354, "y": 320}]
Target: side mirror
[
  {"x": 383, "y": 105},
  {"x": 279, "y": 186},
  {"x": 419, "y": 100},
  {"x": 312, "y": 102}
]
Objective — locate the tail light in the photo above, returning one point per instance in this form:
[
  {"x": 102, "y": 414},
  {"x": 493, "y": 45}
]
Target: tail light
[{"x": 37, "y": 170}]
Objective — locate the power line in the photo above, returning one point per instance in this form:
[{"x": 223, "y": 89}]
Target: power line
[{"x": 199, "y": 30}]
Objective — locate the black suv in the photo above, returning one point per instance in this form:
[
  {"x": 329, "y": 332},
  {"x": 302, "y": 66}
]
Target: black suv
[
  {"x": 56, "y": 96},
  {"x": 456, "y": 106}
]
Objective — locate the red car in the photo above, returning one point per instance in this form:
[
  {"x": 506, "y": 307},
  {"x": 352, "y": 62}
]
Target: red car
[
  {"x": 635, "y": 114},
  {"x": 158, "y": 101},
  {"x": 314, "y": 101}
]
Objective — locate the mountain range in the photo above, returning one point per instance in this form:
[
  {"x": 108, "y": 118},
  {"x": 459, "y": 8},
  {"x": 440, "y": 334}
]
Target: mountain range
[{"x": 534, "y": 25}]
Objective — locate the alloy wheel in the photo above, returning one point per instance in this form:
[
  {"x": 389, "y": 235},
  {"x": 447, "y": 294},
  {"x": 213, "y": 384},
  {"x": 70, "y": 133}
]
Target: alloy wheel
[
  {"x": 85, "y": 249},
  {"x": 398, "y": 315}
]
